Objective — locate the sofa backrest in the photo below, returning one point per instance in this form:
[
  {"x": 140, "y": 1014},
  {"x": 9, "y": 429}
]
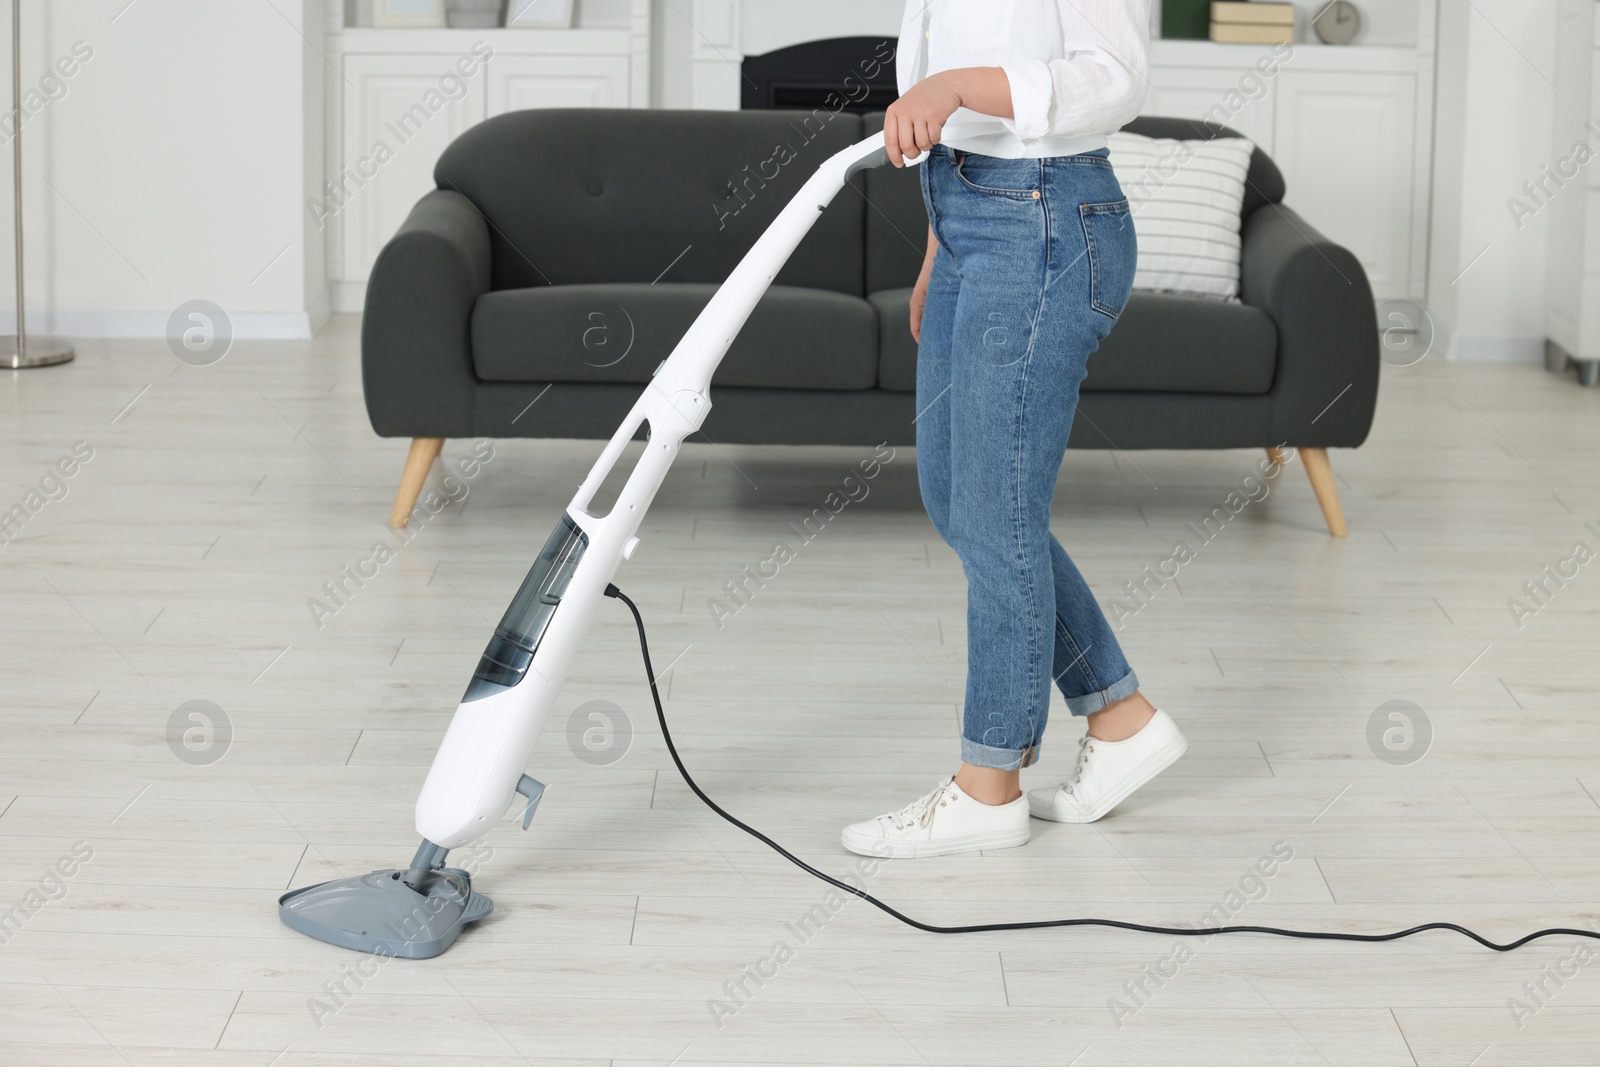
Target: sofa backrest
[
  {"x": 1263, "y": 184},
  {"x": 611, "y": 195},
  {"x": 614, "y": 195}
]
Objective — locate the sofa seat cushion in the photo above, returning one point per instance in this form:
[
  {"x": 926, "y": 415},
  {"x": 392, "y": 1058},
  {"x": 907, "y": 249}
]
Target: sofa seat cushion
[
  {"x": 1161, "y": 344},
  {"x": 795, "y": 338}
]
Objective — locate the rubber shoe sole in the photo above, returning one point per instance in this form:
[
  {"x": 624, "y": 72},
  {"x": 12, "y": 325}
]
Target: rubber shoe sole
[{"x": 864, "y": 845}]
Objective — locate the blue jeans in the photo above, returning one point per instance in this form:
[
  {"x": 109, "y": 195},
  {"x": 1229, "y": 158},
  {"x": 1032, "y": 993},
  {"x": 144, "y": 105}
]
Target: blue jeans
[{"x": 1035, "y": 263}]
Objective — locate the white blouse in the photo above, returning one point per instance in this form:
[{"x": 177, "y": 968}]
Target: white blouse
[{"x": 1078, "y": 69}]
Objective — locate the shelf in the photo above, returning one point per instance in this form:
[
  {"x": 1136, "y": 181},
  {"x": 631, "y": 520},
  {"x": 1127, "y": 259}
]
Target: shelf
[{"x": 1384, "y": 59}]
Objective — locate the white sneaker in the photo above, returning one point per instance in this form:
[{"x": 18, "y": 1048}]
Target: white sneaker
[
  {"x": 1109, "y": 771},
  {"x": 943, "y": 822}
]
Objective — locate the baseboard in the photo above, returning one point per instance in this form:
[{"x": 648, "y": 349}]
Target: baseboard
[
  {"x": 140, "y": 325},
  {"x": 1499, "y": 349}
]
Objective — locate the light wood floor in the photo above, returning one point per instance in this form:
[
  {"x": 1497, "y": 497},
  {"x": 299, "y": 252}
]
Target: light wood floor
[{"x": 219, "y": 499}]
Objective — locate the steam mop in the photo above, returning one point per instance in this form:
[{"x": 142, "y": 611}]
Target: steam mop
[
  {"x": 480, "y": 767},
  {"x": 417, "y": 912}
]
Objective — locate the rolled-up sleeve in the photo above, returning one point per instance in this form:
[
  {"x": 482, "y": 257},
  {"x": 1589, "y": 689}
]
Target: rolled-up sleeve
[
  {"x": 1094, "y": 89},
  {"x": 1032, "y": 93}
]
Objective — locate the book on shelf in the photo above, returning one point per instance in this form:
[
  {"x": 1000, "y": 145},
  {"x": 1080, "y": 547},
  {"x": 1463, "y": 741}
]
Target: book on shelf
[
  {"x": 1252, "y": 33},
  {"x": 1252, "y": 11}
]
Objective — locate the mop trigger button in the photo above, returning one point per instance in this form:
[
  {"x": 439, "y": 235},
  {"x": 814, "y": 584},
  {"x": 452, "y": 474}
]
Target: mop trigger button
[{"x": 627, "y": 549}]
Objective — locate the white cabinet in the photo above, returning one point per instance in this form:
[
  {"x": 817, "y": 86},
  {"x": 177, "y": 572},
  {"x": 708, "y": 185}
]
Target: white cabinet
[
  {"x": 401, "y": 96},
  {"x": 519, "y": 82},
  {"x": 1347, "y": 150},
  {"x": 397, "y": 120},
  {"x": 1348, "y": 127},
  {"x": 1201, "y": 92}
]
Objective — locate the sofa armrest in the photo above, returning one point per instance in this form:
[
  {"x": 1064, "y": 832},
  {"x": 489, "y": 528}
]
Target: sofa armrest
[
  {"x": 416, "y": 336},
  {"x": 1325, "y": 388}
]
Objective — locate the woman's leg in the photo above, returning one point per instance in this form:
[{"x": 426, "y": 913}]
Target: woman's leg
[
  {"x": 1128, "y": 741},
  {"x": 1026, "y": 323},
  {"x": 1029, "y": 316},
  {"x": 1031, "y": 300},
  {"x": 1115, "y": 708},
  {"x": 933, "y": 392},
  {"x": 985, "y": 784},
  {"x": 1010, "y": 419},
  {"x": 981, "y": 807}
]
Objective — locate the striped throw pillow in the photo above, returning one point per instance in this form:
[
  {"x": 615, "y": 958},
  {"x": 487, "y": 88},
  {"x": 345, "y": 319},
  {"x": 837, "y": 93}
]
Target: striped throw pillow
[{"x": 1185, "y": 198}]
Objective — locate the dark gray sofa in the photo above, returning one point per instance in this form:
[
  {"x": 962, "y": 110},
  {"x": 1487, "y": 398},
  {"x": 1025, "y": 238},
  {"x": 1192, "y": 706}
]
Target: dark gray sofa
[{"x": 564, "y": 252}]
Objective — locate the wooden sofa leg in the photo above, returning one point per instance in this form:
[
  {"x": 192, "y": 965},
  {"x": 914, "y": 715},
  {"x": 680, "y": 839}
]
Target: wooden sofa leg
[
  {"x": 1276, "y": 458},
  {"x": 1321, "y": 474},
  {"x": 424, "y": 450}
]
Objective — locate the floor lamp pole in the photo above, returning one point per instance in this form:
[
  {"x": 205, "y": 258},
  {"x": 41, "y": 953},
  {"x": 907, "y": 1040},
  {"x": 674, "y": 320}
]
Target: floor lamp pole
[{"x": 22, "y": 351}]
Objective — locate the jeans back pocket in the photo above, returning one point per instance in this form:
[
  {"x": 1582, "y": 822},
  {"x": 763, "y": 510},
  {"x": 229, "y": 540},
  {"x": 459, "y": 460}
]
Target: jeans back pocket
[{"x": 1113, "y": 255}]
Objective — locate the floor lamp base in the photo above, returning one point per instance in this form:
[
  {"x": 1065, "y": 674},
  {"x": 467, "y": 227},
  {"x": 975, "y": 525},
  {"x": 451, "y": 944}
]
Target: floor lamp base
[{"x": 39, "y": 351}]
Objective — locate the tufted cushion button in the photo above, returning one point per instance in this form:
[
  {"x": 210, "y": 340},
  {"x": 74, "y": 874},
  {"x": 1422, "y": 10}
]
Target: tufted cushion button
[{"x": 594, "y": 187}]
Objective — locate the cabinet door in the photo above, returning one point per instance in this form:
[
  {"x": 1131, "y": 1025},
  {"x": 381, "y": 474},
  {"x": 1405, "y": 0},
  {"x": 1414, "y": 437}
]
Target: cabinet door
[
  {"x": 518, "y": 82},
  {"x": 1347, "y": 147},
  {"x": 398, "y": 118},
  {"x": 1240, "y": 99}
]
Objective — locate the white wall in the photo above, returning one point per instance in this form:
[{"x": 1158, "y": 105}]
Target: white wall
[
  {"x": 175, "y": 167},
  {"x": 1495, "y": 132}
]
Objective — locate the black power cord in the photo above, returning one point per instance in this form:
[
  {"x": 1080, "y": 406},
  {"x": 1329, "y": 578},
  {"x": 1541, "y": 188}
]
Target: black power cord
[{"x": 666, "y": 735}]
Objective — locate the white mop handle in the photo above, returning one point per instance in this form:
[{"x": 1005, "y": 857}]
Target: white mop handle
[
  {"x": 491, "y": 737},
  {"x": 700, "y": 351}
]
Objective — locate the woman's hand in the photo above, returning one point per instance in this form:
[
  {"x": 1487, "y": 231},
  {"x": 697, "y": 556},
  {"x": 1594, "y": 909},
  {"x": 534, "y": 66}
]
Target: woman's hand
[
  {"x": 915, "y": 122},
  {"x": 919, "y": 292}
]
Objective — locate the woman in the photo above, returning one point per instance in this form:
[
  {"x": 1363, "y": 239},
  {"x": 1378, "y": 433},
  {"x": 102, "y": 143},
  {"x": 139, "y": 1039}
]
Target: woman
[{"x": 1030, "y": 260}]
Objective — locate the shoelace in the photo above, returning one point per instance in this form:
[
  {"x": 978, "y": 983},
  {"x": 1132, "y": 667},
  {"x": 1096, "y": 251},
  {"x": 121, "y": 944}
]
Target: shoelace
[
  {"x": 919, "y": 811},
  {"x": 1085, "y": 746}
]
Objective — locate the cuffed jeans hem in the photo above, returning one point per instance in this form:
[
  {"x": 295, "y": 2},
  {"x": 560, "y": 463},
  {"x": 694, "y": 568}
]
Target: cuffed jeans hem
[
  {"x": 1092, "y": 702},
  {"x": 1001, "y": 759}
]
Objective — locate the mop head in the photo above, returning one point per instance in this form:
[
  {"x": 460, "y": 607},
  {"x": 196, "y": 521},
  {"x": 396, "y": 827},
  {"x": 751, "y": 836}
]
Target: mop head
[{"x": 381, "y": 914}]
